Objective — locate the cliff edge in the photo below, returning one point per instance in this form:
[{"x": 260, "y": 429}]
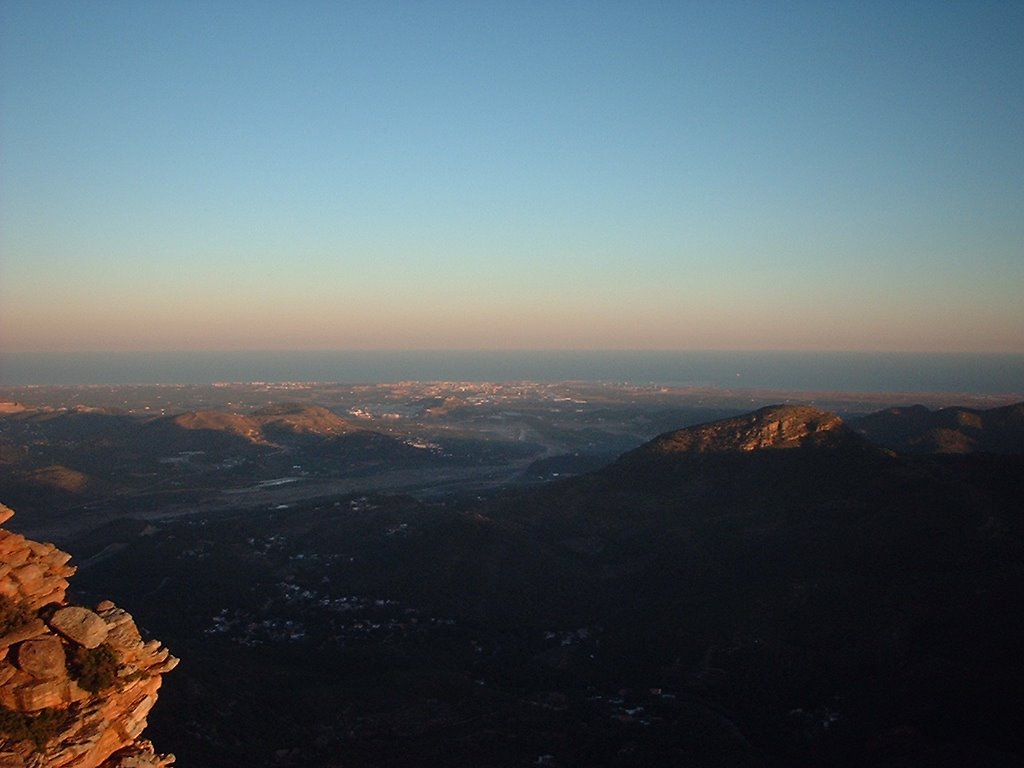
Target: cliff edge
[{"x": 76, "y": 685}]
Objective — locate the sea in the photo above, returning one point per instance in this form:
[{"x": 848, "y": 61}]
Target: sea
[{"x": 979, "y": 374}]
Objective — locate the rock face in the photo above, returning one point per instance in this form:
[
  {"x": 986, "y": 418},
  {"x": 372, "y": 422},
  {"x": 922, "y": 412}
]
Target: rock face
[
  {"x": 80, "y": 625},
  {"x": 43, "y": 658},
  {"x": 76, "y": 684},
  {"x": 777, "y": 426}
]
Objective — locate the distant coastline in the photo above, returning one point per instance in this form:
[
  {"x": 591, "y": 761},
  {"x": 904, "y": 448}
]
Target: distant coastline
[{"x": 982, "y": 374}]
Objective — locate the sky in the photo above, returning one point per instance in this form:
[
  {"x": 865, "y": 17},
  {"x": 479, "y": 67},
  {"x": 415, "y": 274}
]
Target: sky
[{"x": 511, "y": 175}]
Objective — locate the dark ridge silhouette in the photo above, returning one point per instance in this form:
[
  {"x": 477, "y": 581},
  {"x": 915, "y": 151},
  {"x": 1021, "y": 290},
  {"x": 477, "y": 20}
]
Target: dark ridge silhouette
[{"x": 948, "y": 430}]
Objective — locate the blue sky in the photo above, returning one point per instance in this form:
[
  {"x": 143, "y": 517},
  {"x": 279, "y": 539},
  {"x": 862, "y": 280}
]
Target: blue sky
[{"x": 199, "y": 175}]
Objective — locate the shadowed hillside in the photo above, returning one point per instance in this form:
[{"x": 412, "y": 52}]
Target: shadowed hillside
[
  {"x": 948, "y": 430},
  {"x": 766, "y": 590}
]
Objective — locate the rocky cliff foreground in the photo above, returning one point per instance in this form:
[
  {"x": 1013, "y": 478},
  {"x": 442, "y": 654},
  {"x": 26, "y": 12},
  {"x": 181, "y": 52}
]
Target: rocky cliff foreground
[{"x": 76, "y": 684}]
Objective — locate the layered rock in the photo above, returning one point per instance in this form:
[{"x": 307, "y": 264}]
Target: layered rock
[{"x": 76, "y": 684}]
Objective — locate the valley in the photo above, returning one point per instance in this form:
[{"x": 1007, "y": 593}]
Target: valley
[
  {"x": 548, "y": 575},
  {"x": 74, "y": 457}
]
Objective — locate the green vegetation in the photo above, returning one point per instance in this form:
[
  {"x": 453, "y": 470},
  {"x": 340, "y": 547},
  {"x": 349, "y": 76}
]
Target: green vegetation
[
  {"x": 94, "y": 669},
  {"x": 39, "y": 728},
  {"x": 13, "y": 615}
]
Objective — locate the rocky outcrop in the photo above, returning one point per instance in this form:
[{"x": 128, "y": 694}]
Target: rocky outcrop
[
  {"x": 76, "y": 684},
  {"x": 777, "y": 426}
]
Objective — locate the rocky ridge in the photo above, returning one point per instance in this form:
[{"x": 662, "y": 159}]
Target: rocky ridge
[
  {"x": 775, "y": 426},
  {"x": 76, "y": 685}
]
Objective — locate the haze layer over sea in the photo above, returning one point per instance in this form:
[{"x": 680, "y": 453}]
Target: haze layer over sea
[{"x": 806, "y": 371}]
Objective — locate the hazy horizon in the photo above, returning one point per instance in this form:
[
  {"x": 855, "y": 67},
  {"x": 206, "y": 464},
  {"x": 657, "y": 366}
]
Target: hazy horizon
[
  {"x": 793, "y": 371},
  {"x": 450, "y": 175}
]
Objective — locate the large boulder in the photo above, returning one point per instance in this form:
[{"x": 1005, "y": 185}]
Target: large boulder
[
  {"x": 80, "y": 625},
  {"x": 44, "y": 658}
]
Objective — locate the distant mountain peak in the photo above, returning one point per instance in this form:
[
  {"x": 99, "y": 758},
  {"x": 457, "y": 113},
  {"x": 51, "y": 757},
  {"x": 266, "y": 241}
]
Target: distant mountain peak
[
  {"x": 302, "y": 418},
  {"x": 219, "y": 421},
  {"x": 772, "y": 427},
  {"x": 268, "y": 425}
]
